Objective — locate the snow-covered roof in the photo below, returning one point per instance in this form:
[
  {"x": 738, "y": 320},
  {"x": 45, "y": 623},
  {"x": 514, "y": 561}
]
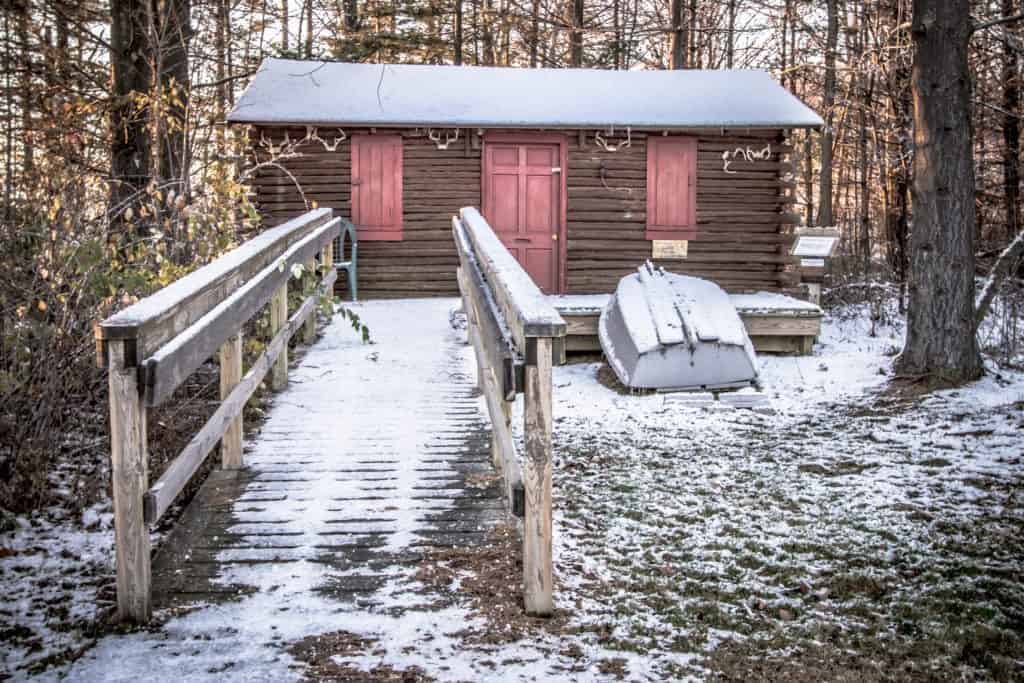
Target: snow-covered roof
[{"x": 325, "y": 93}]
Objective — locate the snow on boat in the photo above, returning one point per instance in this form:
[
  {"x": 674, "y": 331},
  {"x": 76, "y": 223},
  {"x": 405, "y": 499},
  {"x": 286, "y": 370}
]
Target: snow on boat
[{"x": 666, "y": 331}]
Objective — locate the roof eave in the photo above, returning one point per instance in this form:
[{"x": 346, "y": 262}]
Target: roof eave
[{"x": 759, "y": 125}]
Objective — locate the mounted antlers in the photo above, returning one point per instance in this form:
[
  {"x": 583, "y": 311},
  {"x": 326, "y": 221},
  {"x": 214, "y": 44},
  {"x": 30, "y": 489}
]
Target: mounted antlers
[
  {"x": 287, "y": 145},
  {"x": 601, "y": 142},
  {"x": 745, "y": 155},
  {"x": 436, "y": 138},
  {"x": 312, "y": 134}
]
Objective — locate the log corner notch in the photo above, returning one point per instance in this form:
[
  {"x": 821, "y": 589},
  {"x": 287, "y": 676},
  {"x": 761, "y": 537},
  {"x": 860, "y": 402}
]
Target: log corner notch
[
  {"x": 151, "y": 347},
  {"x": 517, "y": 337}
]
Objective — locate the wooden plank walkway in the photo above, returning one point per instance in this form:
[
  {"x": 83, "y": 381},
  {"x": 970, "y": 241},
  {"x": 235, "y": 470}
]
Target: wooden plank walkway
[{"x": 373, "y": 455}]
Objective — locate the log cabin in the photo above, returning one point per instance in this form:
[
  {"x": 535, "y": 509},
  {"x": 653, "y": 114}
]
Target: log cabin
[{"x": 584, "y": 174}]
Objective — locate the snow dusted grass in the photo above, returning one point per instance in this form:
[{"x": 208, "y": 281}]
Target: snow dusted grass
[
  {"x": 57, "y": 587},
  {"x": 848, "y": 534}
]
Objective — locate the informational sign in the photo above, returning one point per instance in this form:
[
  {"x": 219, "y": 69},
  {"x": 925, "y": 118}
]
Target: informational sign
[
  {"x": 813, "y": 246},
  {"x": 669, "y": 249},
  {"x": 812, "y": 262}
]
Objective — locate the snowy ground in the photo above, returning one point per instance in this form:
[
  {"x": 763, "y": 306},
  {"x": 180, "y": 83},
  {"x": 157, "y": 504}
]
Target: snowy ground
[{"x": 846, "y": 533}]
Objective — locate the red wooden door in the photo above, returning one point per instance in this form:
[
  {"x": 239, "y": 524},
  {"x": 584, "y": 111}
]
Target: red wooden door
[
  {"x": 377, "y": 186},
  {"x": 521, "y": 202}
]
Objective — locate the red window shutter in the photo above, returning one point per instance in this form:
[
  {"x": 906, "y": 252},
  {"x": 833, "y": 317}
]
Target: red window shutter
[
  {"x": 377, "y": 186},
  {"x": 671, "y": 188}
]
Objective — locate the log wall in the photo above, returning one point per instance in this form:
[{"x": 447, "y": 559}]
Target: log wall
[{"x": 743, "y": 221}]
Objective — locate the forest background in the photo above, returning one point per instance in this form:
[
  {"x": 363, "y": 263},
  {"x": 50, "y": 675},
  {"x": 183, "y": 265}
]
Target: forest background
[{"x": 120, "y": 174}]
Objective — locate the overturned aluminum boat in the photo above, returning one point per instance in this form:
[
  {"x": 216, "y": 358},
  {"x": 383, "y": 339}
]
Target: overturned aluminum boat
[{"x": 667, "y": 331}]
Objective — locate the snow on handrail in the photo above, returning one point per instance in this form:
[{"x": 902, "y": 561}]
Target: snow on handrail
[
  {"x": 529, "y": 312},
  {"x": 158, "y": 318}
]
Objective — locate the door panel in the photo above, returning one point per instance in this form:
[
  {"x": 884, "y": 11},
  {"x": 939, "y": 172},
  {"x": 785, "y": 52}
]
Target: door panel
[{"x": 521, "y": 202}]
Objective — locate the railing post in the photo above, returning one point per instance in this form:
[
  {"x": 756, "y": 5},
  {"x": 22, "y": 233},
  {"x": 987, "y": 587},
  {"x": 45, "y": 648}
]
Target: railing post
[
  {"x": 230, "y": 375},
  {"x": 308, "y": 288},
  {"x": 130, "y": 479},
  {"x": 537, "y": 581},
  {"x": 278, "y": 319}
]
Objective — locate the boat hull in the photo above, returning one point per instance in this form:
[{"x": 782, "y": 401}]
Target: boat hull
[{"x": 665, "y": 331}]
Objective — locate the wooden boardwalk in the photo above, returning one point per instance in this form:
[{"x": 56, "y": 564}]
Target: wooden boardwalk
[{"x": 372, "y": 456}]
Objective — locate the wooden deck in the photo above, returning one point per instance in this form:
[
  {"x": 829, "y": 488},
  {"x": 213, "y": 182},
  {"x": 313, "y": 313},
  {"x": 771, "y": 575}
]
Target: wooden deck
[
  {"x": 775, "y": 323},
  {"x": 374, "y": 455}
]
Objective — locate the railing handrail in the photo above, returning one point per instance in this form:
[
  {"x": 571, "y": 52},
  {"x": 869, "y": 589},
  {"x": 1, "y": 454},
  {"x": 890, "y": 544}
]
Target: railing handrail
[
  {"x": 156, "y": 319},
  {"x": 172, "y": 363},
  {"x": 151, "y": 347},
  {"x": 516, "y": 334},
  {"x": 529, "y": 313}
]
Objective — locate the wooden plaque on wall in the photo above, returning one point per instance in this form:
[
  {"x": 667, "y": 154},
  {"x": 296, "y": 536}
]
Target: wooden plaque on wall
[{"x": 669, "y": 249}]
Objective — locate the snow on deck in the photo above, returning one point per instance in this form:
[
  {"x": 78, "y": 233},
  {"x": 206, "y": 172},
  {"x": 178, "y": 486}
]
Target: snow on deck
[
  {"x": 367, "y": 461},
  {"x": 758, "y": 303}
]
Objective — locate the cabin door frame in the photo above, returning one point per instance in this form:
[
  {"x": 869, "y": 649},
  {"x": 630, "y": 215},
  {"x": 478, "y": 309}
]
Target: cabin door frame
[{"x": 560, "y": 250}]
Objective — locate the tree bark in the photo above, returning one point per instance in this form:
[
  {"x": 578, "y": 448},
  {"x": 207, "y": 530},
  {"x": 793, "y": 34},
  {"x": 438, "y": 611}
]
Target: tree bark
[
  {"x": 352, "y": 16},
  {"x": 693, "y": 60},
  {"x": 730, "y": 36},
  {"x": 940, "y": 343},
  {"x": 27, "y": 72},
  {"x": 679, "y": 36},
  {"x": 487, "y": 32},
  {"x": 576, "y": 38},
  {"x": 284, "y": 25},
  {"x": 308, "y": 48},
  {"x": 458, "y": 33},
  {"x": 174, "y": 32},
  {"x": 828, "y": 103},
  {"x": 1011, "y": 130},
  {"x": 132, "y": 83}
]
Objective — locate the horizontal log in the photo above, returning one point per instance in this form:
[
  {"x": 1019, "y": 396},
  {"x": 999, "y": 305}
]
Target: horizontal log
[{"x": 581, "y": 247}]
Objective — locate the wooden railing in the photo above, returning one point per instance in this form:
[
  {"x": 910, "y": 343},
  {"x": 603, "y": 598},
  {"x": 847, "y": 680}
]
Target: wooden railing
[
  {"x": 150, "y": 348},
  {"x": 517, "y": 336}
]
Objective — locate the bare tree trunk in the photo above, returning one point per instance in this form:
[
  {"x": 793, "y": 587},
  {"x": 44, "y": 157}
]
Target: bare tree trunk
[
  {"x": 534, "y": 33},
  {"x": 616, "y": 32},
  {"x": 352, "y": 16},
  {"x": 458, "y": 33},
  {"x": 132, "y": 83},
  {"x": 864, "y": 213},
  {"x": 9, "y": 179},
  {"x": 679, "y": 36},
  {"x": 308, "y": 50},
  {"x": 1011, "y": 129},
  {"x": 27, "y": 71},
  {"x": 486, "y": 32},
  {"x": 730, "y": 36},
  {"x": 174, "y": 32},
  {"x": 284, "y": 25},
  {"x": 693, "y": 62},
  {"x": 829, "y": 100},
  {"x": 576, "y": 38},
  {"x": 221, "y": 48},
  {"x": 940, "y": 319}
]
